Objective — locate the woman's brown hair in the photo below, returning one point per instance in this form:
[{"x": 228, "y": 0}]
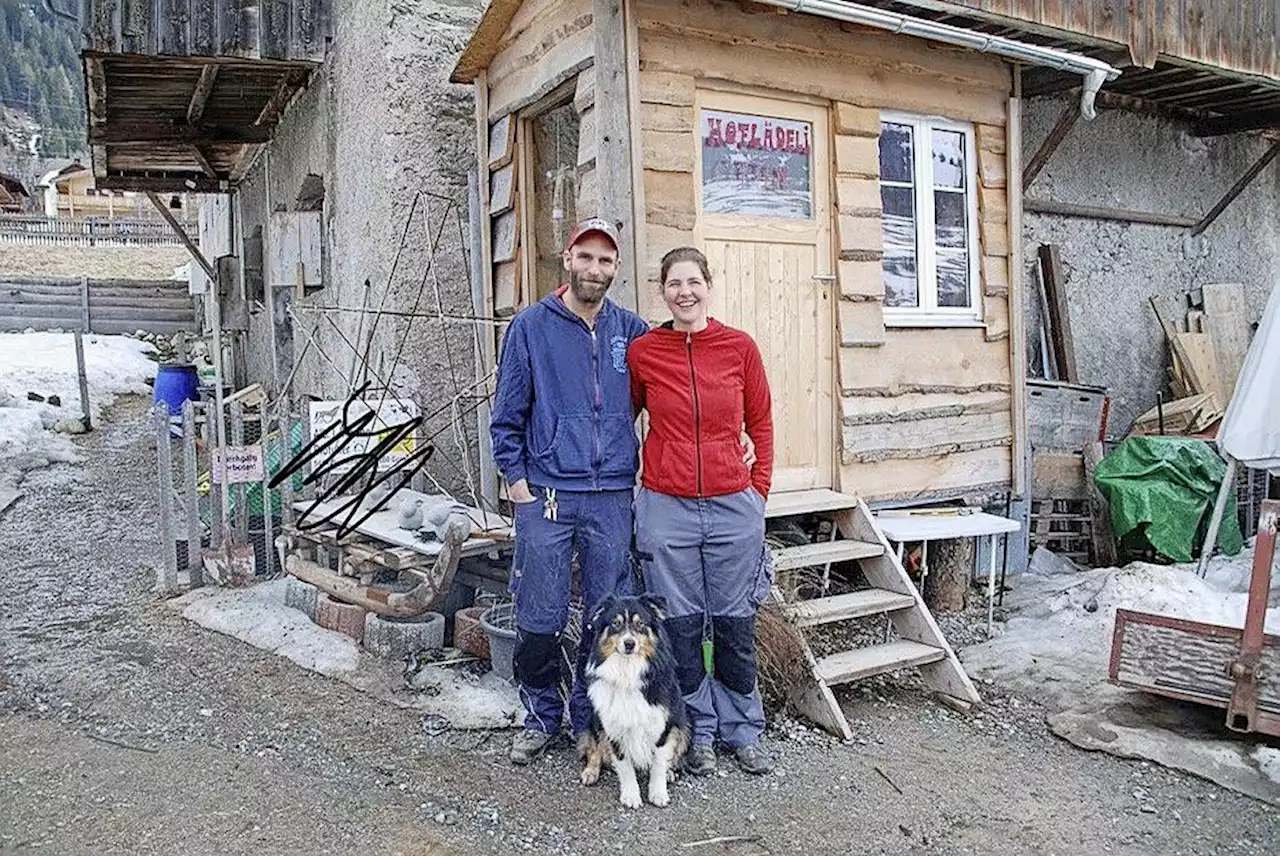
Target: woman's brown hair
[{"x": 686, "y": 254}]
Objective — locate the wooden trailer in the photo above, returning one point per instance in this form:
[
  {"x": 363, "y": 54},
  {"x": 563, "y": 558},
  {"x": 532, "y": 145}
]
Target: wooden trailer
[{"x": 857, "y": 193}]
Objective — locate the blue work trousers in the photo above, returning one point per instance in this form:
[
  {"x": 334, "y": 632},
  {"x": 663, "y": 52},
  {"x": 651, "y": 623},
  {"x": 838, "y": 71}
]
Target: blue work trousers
[{"x": 597, "y": 526}]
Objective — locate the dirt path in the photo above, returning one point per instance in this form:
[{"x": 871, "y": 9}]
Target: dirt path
[{"x": 230, "y": 750}]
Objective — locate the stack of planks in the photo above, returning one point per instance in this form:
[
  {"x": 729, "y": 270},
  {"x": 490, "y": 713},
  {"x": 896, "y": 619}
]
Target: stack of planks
[{"x": 1206, "y": 360}]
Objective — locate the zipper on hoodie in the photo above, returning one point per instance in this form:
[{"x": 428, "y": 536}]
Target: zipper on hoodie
[
  {"x": 595, "y": 416},
  {"x": 697, "y": 410}
]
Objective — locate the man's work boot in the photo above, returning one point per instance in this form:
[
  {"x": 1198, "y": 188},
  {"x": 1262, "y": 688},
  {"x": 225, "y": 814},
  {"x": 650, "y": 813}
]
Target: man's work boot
[
  {"x": 701, "y": 761},
  {"x": 752, "y": 760},
  {"x": 529, "y": 744}
]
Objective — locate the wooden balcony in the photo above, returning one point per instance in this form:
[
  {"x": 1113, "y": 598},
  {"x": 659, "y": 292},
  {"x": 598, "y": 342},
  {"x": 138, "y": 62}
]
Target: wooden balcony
[{"x": 182, "y": 93}]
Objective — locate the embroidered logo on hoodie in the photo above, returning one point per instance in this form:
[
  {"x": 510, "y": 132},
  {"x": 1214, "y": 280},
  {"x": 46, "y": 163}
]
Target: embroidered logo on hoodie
[{"x": 618, "y": 348}]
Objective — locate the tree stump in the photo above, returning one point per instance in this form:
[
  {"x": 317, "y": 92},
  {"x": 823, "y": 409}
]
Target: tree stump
[{"x": 946, "y": 588}]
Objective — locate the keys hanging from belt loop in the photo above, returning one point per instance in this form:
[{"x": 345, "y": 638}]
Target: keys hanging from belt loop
[{"x": 550, "y": 508}]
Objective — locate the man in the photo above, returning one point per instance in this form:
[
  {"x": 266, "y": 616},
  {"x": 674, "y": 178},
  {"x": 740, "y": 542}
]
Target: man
[{"x": 564, "y": 438}]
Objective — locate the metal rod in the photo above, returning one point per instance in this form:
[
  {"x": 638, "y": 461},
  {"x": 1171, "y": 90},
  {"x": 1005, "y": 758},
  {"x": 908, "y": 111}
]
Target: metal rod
[
  {"x": 1219, "y": 508},
  {"x": 191, "y": 494},
  {"x": 168, "y": 570},
  {"x": 1160, "y": 411},
  {"x": 241, "y": 519},
  {"x": 1236, "y": 189},
  {"x": 268, "y": 536}
]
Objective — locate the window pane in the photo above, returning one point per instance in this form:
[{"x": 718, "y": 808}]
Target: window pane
[
  {"x": 949, "y": 215},
  {"x": 953, "y": 279},
  {"x": 896, "y": 152},
  {"x": 899, "y": 216},
  {"x": 900, "y": 287},
  {"x": 948, "y": 159}
]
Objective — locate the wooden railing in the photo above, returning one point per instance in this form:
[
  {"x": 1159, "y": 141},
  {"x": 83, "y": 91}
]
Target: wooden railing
[{"x": 87, "y": 232}]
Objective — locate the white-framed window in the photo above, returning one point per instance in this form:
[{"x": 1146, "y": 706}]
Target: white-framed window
[{"x": 928, "y": 192}]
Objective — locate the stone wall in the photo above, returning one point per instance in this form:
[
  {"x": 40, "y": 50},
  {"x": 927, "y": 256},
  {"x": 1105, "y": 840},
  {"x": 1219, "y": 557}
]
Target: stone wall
[
  {"x": 392, "y": 141},
  {"x": 1144, "y": 163}
]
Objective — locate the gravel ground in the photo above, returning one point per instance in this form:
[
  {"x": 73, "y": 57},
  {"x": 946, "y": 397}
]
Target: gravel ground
[{"x": 124, "y": 729}]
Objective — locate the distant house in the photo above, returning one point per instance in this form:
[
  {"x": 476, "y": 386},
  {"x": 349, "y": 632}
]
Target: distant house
[
  {"x": 71, "y": 191},
  {"x": 14, "y": 198}
]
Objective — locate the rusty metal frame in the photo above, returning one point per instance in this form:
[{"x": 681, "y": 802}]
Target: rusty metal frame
[{"x": 1243, "y": 714}]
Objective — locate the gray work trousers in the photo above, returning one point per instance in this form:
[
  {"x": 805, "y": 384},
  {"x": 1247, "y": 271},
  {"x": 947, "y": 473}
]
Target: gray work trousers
[{"x": 707, "y": 558}]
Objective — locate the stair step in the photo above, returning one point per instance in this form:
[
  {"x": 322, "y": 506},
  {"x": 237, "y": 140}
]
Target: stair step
[
  {"x": 822, "y": 553},
  {"x": 875, "y": 660},
  {"x": 808, "y": 502},
  {"x": 857, "y": 604}
]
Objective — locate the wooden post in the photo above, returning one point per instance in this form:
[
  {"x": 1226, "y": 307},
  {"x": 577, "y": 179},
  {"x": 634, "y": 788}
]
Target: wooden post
[
  {"x": 483, "y": 344},
  {"x": 216, "y": 503},
  {"x": 267, "y": 523},
  {"x": 946, "y": 588},
  {"x": 84, "y": 304},
  {"x": 1104, "y": 537},
  {"x": 219, "y": 415},
  {"x": 1056, "y": 289},
  {"x": 84, "y": 382},
  {"x": 191, "y": 493},
  {"x": 613, "y": 146},
  {"x": 1017, "y": 290},
  {"x": 286, "y": 452},
  {"x": 241, "y": 518},
  {"x": 1066, "y": 121},
  {"x": 167, "y": 579}
]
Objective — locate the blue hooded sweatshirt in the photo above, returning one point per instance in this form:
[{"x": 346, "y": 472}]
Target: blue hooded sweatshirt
[{"x": 562, "y": 412}]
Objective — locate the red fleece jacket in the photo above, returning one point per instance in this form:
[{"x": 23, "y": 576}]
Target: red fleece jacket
[{"x": 700, "y": 389}]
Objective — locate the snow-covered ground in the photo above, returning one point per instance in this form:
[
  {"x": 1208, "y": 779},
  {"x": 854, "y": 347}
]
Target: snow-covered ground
[
  {"x": 45, "y": 364},
  {"x": 1056, "y": 646},
  {"x": 1058, "y": 637}
]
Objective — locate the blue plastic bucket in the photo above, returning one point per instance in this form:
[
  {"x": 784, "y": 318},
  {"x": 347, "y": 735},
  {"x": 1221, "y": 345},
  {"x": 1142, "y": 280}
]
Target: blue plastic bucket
[{"x": 176, "y": 384}]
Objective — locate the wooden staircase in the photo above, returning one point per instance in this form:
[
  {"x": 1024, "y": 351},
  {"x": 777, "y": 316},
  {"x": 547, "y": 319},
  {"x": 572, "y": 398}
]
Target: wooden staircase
[{"x": 920, "y": 643}]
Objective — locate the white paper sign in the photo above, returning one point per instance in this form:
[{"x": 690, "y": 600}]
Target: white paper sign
[
  {"x": 243, "y": 465},
  {"x": 388, "y": 417}
]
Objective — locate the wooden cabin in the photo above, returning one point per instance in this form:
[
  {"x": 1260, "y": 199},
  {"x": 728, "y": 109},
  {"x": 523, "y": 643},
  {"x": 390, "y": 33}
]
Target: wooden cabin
[{"x": 851, "y": 187}]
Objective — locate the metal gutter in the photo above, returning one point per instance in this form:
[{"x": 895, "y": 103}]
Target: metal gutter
[{"x": 1094, "y": 71}]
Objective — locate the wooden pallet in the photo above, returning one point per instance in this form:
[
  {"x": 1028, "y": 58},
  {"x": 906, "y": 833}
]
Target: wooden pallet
[{"x": 1064, "y": 526}]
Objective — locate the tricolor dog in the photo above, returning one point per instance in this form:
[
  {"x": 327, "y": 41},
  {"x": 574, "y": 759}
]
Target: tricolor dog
[{"x": 638, "y": 715}]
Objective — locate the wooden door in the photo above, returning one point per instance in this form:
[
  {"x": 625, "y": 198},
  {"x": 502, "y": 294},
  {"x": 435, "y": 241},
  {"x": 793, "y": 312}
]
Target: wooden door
[{"x": 764, "y": 222}]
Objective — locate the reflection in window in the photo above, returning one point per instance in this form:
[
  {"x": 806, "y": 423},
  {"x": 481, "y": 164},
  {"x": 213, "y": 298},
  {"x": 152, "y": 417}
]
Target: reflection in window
[{"x": 927, "y": 195}]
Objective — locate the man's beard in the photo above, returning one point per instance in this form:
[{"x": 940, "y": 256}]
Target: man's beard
[{"x": 588, "y": 291}]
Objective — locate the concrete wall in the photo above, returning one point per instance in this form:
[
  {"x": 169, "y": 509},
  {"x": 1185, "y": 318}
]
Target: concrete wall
[
  {"x": 1124, "y": 160},
  {"x": 383, "y": 127}
]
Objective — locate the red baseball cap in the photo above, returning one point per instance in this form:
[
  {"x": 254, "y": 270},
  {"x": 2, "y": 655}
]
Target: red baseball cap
[{"x": 594, "y": 225}]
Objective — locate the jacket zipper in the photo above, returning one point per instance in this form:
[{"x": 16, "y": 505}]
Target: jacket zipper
[
  {"x": 697, "y": 411},
  {"x": 595, "y": 417}
]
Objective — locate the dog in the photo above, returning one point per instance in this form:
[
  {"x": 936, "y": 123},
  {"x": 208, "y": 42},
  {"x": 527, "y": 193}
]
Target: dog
[{"x": 639, "y": 721}]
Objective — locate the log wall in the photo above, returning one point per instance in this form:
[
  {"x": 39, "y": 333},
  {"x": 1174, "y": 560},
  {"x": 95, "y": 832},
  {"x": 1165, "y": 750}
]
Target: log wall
[{"x": 924, "y": 411}]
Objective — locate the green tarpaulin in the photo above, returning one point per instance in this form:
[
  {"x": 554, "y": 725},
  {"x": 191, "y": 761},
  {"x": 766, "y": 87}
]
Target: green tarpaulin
[{"x": 1161, "y": 490}]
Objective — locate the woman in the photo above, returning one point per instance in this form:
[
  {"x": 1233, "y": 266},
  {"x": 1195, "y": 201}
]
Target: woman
[{"x": 700, "y": 513}]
